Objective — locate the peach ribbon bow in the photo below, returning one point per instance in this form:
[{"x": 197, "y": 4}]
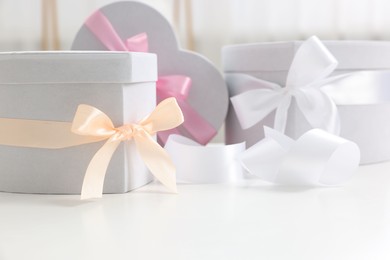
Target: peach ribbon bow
[
  {"x": 90, "y": 121},
  {"x": 91, "y": 125}
]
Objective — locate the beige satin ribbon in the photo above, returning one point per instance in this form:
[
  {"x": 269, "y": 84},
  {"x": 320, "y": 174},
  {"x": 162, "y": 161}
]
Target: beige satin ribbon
[{"x": 92, "y": 125}]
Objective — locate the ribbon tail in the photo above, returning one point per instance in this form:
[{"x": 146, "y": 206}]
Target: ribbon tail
[
  {"x": 96, "y": 171},
  {"x": 196, "y": 125},
  {"x": 157, "y": 160},
  {"x": 163, "y": 136},
  {"x": 319, "y": 109}
]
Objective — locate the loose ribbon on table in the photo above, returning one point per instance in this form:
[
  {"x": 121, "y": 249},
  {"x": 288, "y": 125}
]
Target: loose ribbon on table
[
  {"x": 214, "y": 163},
  {"x": 309, "y": 70},
  {"x": 92, "y": 125},
  {"x": 316, "y": 158},
  {"x": 177, "y": 86}
]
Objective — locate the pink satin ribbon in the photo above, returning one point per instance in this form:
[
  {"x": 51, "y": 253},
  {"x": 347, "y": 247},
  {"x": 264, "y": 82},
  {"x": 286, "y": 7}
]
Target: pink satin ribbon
[
  {"x": 102, "y": 28},
  {"x": 195, "y": 125},
  {"x": 92, "y": 125},
  {"x": 177, "y": 86}
]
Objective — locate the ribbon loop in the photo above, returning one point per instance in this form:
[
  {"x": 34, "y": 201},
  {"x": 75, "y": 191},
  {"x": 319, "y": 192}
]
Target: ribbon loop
[
  {"x": 311, "y": 64},
  {"x": 167, "y": 115},
  {"x": 91, "y": 121},
  {"x": 310, "y": 67},
  {"x": 138, "y": 43}
]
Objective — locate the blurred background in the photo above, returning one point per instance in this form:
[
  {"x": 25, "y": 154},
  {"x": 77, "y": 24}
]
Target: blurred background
[{"x": 202, "y": 25}]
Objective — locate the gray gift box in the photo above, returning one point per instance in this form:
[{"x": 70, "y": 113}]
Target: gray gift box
[
  {"x": 366, "y": 124},
  {"x": 49, "y": 86}
]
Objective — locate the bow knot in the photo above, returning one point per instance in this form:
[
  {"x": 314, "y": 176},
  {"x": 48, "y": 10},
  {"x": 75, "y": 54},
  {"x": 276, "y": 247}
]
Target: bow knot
[
  {"x": 309, "y": 70},
  {"x": 288, "y": 92},
  {"x": 127, "y": 132}
]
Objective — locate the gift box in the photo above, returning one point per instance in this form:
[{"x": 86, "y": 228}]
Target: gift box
[
  {"x": 193, "y": 80},
  {"x": 49, "y": 86},
  {"x": 362, "y": 120}
]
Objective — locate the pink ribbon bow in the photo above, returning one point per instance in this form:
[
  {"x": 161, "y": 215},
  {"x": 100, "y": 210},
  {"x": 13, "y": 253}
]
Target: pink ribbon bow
[{"x": 177, "y": 86}]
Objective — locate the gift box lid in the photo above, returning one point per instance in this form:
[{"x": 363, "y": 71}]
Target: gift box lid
[
  {"x": 77, "y": 67},
  {"x": 277, "y": 56}
]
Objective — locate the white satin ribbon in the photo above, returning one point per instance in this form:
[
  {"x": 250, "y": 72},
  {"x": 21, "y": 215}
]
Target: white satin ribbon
[
  {"x": 316, "y": 158},
  {"x": 215, "y": 163},
  {"x": 309, "y": 70}
]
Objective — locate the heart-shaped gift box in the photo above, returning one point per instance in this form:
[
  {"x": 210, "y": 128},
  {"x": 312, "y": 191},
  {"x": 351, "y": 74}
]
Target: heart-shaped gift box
[{"x": 206, "y": 98}]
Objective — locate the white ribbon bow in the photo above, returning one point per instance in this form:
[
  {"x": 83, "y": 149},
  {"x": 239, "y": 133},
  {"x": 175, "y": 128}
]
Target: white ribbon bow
[
  {"x": 316, "y": 158},
  {"x": 309, "y": 70}
]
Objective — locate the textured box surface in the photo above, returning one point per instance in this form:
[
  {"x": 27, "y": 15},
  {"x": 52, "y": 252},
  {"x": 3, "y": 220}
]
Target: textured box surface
[{"x": 50, "y": 86}]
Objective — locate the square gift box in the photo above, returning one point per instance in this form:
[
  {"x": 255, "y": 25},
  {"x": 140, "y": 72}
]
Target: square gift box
[
  {"x": 49, "y": 86},
  {"x": 364, "y": 123}
]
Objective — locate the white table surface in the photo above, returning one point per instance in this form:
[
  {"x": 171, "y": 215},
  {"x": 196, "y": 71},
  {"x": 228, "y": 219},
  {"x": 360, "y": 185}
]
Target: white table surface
[{"x": 253, "y": 220}]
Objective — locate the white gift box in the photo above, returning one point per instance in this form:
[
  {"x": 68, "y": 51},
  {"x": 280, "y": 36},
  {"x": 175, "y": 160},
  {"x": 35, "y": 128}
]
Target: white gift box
[
  {"x": 366, "y": 124},
  {"x": 49, "y": 86}
]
